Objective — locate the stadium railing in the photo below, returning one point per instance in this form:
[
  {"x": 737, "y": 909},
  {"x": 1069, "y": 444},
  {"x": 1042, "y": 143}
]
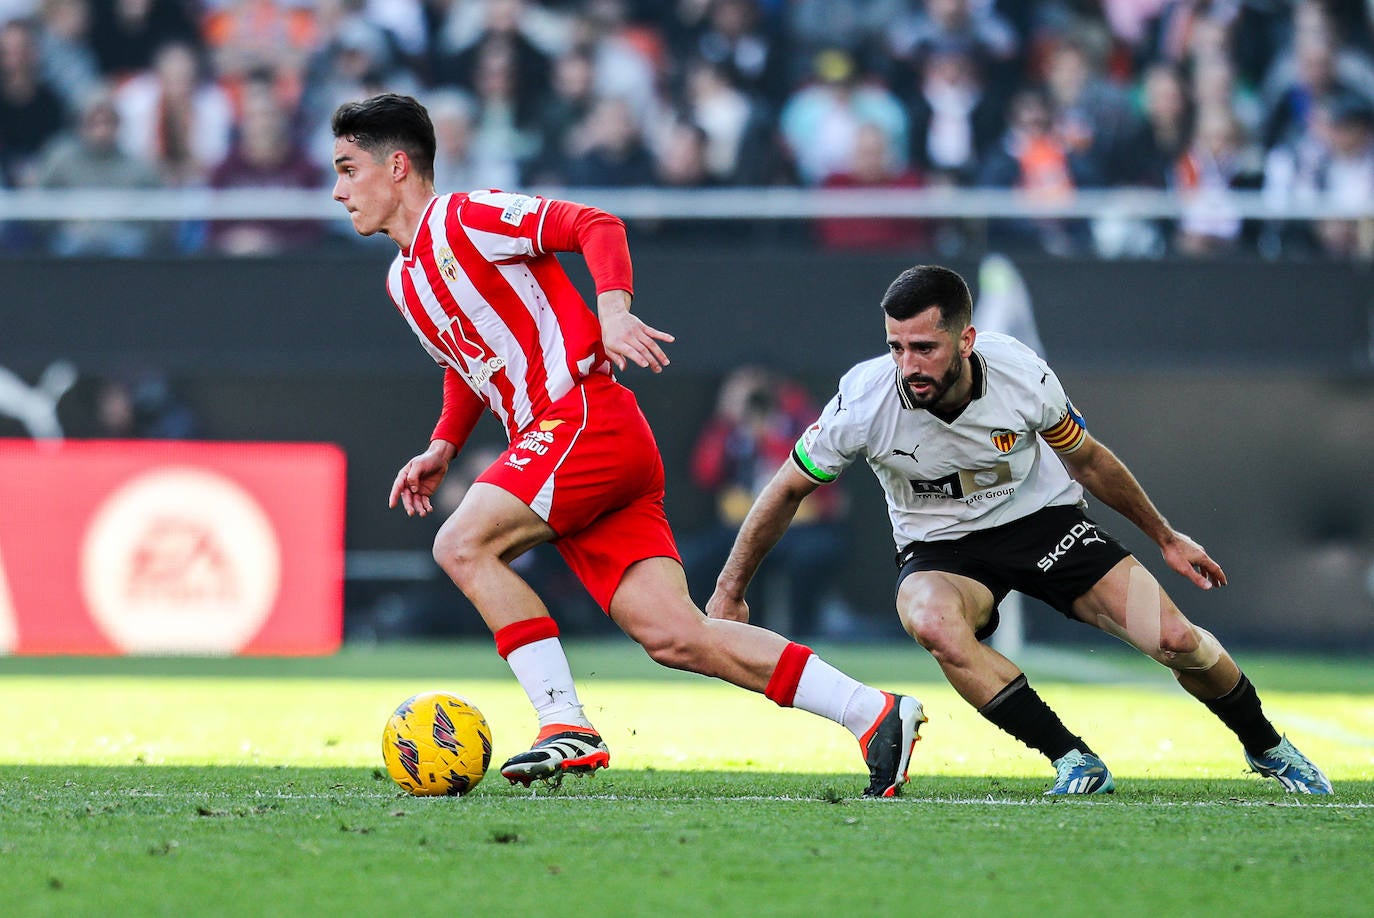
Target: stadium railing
[{"x": 695, "y": 204}]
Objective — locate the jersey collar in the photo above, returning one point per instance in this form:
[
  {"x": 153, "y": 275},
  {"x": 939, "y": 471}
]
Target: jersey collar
[
  {"x": 420, "y": 227},
  {"x": 977, "y": 366}
]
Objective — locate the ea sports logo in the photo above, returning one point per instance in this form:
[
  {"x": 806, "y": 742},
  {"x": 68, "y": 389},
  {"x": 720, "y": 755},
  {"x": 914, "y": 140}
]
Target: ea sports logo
[{"x": 180, "y": 560}]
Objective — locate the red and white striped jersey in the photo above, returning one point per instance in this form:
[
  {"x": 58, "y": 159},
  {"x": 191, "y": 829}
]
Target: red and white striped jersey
[{"x": 482, "y": 290}]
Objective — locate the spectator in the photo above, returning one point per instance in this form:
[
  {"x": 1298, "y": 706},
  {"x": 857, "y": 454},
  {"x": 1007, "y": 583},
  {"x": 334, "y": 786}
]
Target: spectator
[
  {"x": 1214, "y": 85},
  {"x": 125, "y": 34},
  {"x": 954, "y": 119},
  {"x": 249, "y": 37},
  {"x": 266, "y": 156},
  {"x": 1093, "y": 117},
  {"x": 560, "y": 112},
  {"x": 975, "y": 28},
  {"x": 176, "y": 117},
  {"x": 458, "y": 165},
  {"x": 1164, "y": 132},
  {"x": 456, "y": 25},
  {"x": 684, "y": 160},
  {"x": 757, "y": 420},
  {"x": 873, "y": 167},
  {"x": 403, "y": 22},
  {"x": 1347, "y": 179},
  {"x": 1295, "y": 91},
  {"x": 64, "y": 39},
  {"x": 1220, "y": 159},
  {"x": 820, "y": 122},
  {"x": 523, "y": 65},
  {"x": 736, "y": 130},
  {"x": 1351, "y": 67},
  {"x": 852, "y": 26},
  {"x": 31, "y": 111},
  {"x": 733, "y": 39},
  {"x": 353, "y": 57},
  {"x": 141, "y": 406},
  {"x": 1169, "y": 34},
  {"x": 91, "y": 158},
  {"x": 503, "y": 127},
  {"x": 625, "y": 58},
  {"x": 610, "y": 151},
  {"x": 1031, "y": 157},
  {"x": 1332, "y": 165}
]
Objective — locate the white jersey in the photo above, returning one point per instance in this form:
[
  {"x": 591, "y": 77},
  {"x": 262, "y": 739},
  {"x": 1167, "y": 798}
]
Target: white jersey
[{"x": 991, "y": 465}]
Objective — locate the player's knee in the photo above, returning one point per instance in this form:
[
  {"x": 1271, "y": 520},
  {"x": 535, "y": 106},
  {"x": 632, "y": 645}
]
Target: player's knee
[
  {"x": 672, "y": 648},
  {"x": 455, "y": 553},
  {"x": 1189, "y": 648},
  {"x": 936, "y": 626}
]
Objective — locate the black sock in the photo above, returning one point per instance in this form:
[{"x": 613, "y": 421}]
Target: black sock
[
  {"x": 1018, "y": 710},
  {"x": 1240, "y": 710}
]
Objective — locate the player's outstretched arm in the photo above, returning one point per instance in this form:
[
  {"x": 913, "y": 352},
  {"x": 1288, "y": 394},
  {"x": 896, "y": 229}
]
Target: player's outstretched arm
[
  {"x": 1106, "y": 477},
  {"x": 419, "y": 478},
  {"x": 626, "y": 337},
  {"x": 768, "y": 519}
]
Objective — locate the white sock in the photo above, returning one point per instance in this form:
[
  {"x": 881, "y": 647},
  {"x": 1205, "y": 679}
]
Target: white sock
[
  {"x": 826, "y": 691},
  {"x": 542, "y": 670}
]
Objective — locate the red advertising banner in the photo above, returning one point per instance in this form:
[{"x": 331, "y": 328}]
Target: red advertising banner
[{"x": 156, "y": 547}]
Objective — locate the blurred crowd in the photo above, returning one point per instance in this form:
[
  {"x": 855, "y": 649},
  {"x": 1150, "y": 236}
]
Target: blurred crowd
[{"x": 1048, "y": 96}]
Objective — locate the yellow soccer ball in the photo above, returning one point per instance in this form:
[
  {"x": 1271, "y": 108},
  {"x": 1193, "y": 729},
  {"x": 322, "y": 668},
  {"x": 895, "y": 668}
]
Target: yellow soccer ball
[{"x": 436, "y": 744}]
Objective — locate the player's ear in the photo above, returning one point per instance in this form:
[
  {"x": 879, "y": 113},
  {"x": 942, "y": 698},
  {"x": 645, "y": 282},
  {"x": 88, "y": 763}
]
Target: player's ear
[
  {"x": 966, "y": 339},
  {"x": 400, "y": 165}
]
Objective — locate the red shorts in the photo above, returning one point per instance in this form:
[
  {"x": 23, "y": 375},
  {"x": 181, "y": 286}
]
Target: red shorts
[{"x": 591, "y": 469}]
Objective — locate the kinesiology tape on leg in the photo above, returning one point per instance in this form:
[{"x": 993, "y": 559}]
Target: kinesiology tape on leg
[
  {"x": 1201, "y": 659},
  {"x": 1144, "y": 625},
  {"x": 1144, "y": 615}
]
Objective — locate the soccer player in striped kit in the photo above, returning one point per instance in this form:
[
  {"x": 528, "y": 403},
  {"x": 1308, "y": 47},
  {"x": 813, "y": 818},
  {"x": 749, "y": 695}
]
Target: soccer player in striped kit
[{"x": 477, "y": 281}]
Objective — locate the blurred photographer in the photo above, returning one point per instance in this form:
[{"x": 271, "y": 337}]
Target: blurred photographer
[{"x": 758, "y": 417}]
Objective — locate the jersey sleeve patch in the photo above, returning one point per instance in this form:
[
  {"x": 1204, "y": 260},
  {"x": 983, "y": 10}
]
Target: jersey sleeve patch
[
  {"x": 503, "y": 227},
  {"x": 1068, "y": 434},
  {"x": 808, "y": 467}
]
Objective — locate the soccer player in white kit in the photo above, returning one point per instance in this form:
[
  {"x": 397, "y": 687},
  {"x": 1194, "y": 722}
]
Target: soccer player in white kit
[
  {"x": 983, "y": 460},
  {"x": 478, "y": 282}
]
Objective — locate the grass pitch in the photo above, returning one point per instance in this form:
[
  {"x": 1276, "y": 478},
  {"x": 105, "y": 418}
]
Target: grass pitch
[{"x": 253, "y": 787}]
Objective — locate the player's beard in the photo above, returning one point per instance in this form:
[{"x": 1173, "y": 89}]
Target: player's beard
[{"x": 938, "y": 387}]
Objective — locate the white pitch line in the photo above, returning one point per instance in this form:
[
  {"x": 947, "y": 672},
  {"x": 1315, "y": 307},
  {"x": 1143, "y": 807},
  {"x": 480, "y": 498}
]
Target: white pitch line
[{"x": 1293, "y": 803}]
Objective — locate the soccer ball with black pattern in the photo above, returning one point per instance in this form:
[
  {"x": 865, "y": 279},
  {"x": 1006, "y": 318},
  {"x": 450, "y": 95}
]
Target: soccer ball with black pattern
[{"x": 436, "y": 744}]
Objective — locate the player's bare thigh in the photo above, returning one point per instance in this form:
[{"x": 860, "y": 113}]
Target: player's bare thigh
[
  {"x": 936, "y": 606},
  {"x": 1129, "y": 603},
  {"x": 490, "y": 522}
]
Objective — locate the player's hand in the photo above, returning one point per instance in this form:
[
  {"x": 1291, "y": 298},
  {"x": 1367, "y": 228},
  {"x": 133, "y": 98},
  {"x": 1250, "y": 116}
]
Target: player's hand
[
  {"x": 625, "y": 336},
  {"x": 1190, "y": 559},
  {"x": 417, "y": 481},
  {"x": 731, "y": 610}
]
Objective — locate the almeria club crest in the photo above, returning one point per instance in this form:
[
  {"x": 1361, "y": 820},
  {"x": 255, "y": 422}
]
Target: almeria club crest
[
  {"x": 448, "y": 265},
  {"x": 444, "y": 734}
]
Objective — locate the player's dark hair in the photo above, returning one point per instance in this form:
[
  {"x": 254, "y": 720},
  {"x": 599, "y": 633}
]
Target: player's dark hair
[
  {"x": 389, "y": 122},
  {"x": 922, "y": 286}
]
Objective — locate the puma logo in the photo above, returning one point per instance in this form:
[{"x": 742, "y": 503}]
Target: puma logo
[
  {"x": 910, "y": 455},
  {"x": 36, "y": 406}
]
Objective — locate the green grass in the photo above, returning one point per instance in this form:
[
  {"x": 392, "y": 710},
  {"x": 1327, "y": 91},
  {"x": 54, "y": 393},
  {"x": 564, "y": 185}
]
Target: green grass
[{"x": 252, "y": 787}]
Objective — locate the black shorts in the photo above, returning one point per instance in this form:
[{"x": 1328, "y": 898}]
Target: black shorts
[{"x": 1055, "y": 555}]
